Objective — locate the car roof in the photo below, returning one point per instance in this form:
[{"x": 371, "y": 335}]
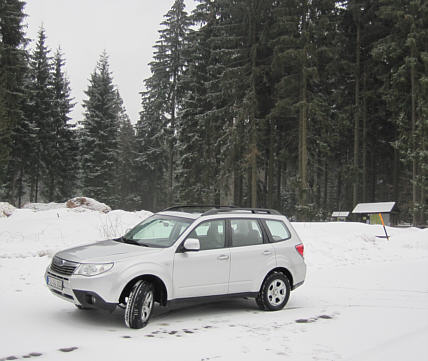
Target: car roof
[
  {"x": 180, "y": 214},
  {"x": 195, "y": 212}
]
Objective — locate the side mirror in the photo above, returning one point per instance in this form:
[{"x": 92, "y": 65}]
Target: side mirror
[{"x": 191, "y": 244}]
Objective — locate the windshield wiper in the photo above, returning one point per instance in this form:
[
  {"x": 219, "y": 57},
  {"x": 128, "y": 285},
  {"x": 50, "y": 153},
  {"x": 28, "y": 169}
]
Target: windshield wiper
[
  {"x": 127, "y": 240},
  {"x": 133, "y": 241}
]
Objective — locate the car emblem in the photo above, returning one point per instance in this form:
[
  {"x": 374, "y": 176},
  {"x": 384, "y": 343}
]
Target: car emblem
[{"x": 59, "y": 262}]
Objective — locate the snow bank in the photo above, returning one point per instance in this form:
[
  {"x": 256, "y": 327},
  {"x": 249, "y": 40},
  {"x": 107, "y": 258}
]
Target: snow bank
[
  {"x": 43, "y": 206},
  {"x": 27, "y": 233},
  {"x": 344, "y": 243},
  {"x": 6, "y": 209},
  {"x": 84, "y": 202}
]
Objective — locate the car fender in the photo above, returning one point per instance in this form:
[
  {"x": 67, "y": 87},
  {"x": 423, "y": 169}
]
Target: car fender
[{"x": 161, "y": 271}]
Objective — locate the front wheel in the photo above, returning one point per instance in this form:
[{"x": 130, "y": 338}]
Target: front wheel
[
  {"x": 140, "y": 305},
  {"x": 274, "y": 292},
  {"x": 83, "y": 308}
]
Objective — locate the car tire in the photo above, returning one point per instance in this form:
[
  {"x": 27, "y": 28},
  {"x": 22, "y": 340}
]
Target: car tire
[
  {"x": 140, "y": 305},
  {"x": 274, "y": 293},
  {"x": 83, "y": 308}
]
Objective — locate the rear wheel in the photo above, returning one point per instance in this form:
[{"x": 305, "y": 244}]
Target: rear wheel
[
  {"x": 274, "y": 293},
  {"x": 140, "y": 305}
]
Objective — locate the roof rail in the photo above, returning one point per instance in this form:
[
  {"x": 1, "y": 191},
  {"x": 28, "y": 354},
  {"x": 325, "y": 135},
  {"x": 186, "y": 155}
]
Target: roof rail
[
  {"x": 194, "y": 208},
  {"x": 238, "y": 209}
]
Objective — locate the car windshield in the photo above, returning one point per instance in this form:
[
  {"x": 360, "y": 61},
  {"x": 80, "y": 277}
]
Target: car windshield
[{"x": 157, "y": 231}]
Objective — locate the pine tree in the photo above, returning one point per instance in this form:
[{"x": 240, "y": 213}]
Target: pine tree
[
  {"x": 99, "y": 143},
  {"x": 270, "y": 95},
  {"x": 127, "y": 164},
  {"x": 196, "y": 176},
  {"x": 151, "y": 159},
  {"x": 39, "y": 113},
  {"x": 13, "y": 62},
  {"x": 403, "y": 52},
  {"x": 62, "y": 180},
  {"x": 161, "y": 99}
]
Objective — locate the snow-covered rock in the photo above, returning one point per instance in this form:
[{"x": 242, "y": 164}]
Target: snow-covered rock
[
  {"x": 6, "y": 209},
  {"x": 88, "y": 203}
]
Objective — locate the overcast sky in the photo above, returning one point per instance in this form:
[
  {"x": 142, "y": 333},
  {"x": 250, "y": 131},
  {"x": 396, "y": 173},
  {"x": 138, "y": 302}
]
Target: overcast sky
[{"x": 126, "y": 29}]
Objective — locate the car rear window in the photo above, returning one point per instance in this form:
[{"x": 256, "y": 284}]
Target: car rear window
[
  {"x": 245, "y": 232},
  {"x": 278, "y": 230}
]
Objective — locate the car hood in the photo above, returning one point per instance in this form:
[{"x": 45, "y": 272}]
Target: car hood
[{"x": 105, "y": 251}]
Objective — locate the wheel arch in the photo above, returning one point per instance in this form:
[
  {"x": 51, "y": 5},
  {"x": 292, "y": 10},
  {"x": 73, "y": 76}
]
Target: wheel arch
[
  {"x": 161, "y": 293},
  {"x": 283, "y": 270}
]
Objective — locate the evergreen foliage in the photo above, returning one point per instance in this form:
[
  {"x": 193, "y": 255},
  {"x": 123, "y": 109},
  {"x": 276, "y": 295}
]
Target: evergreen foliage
[
  {"x": 302, "y": 106},
  {"x": 99, "y": 142},
  {"x": 127, "y": 163},
  {"x": 62, "y": 181},
  {"x": 161, "y": 101},
  {"x": 296, "y": 105},
  {"x": 13, "y": 59},
  {"x": 39, "y": 114}
]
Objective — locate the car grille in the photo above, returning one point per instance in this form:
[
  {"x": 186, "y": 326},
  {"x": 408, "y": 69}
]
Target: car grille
[{"x": 63, "y": 267}]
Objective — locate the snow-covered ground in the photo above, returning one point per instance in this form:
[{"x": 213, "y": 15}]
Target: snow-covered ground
[{"x": 365, "y": 298}]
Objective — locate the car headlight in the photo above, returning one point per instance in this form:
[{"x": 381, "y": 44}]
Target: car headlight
[{"x": 92, "y": 269}]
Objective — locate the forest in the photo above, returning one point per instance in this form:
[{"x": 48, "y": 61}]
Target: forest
[{"x": 304, "y": 106}]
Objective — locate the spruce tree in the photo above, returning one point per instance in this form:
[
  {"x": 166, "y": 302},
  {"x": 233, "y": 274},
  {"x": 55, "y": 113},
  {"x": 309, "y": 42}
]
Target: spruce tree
[
  {"x": 161, "y": 98},
  {"x": 39, "y": 112},
  {"x": 151, "y": 159},
  {"x": 196, "y": 174},
  {"x": 99, "y": 142},
  {"x": 403, "y": 54},
  {"x": 127, "y": 164},
  {"x": 62, "y": 180},
  {"x": 13, "y": 62}
]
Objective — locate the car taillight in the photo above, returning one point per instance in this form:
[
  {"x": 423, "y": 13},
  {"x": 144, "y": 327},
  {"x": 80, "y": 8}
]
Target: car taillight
[{"x": 300, "y": 248}]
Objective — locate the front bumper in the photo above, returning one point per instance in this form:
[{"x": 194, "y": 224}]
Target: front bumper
[{"x": 74, "y": 291}]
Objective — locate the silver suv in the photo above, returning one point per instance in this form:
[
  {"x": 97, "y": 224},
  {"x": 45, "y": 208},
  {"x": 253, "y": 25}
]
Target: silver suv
[{"x": 184, "y": 253}]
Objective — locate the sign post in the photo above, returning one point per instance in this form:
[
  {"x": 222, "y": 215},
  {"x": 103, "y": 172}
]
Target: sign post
[{"x": 383, "y": 224}]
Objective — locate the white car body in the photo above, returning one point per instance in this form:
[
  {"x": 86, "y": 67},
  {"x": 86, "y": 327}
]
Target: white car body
[{"x": 176, "y": 272}]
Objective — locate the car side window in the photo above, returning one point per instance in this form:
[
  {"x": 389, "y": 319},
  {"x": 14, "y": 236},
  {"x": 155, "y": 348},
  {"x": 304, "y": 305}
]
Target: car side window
[
  {"x": 211, "y": 234},
  {"x": 245, "y": 232},
  {"x": 278, "y": 230}
]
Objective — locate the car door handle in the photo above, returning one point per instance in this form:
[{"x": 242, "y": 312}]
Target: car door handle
[
  {"x": 267, "y": 253},
  {"x": 223, "y": 257}
]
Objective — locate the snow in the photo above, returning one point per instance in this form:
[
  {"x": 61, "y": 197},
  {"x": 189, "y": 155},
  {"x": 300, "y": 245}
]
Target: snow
[
  {"x": 380, "y": 207},
  {"x": 84, "y": 202},
  {"x": 27, "y": 233},
  {"x": 43, "y": 206},
  {"x": 340, "y": 214},
  {"x": 365, "y": 298}
]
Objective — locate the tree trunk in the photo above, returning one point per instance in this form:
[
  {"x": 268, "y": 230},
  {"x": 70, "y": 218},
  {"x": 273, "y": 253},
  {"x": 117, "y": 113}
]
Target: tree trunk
[
  {"x": 303, "y": 141},
  {"x": 20, "y": 185},
  {"x": 303, "y": 151},
  {"x": 270, "y": 168},
  {"x": 414, "y": 140},
  {"x": 395, "y": 178},
  {"x": 364, "y": 140},
  {"x": 325, "y": 199},
  {"x": 356, "y": 116},
  {"x": 253, "y": 159},
  {"x": 373, "y": 176},
  {"x": 339, "y": 190},
  {"x": 253, "y": 147}
]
